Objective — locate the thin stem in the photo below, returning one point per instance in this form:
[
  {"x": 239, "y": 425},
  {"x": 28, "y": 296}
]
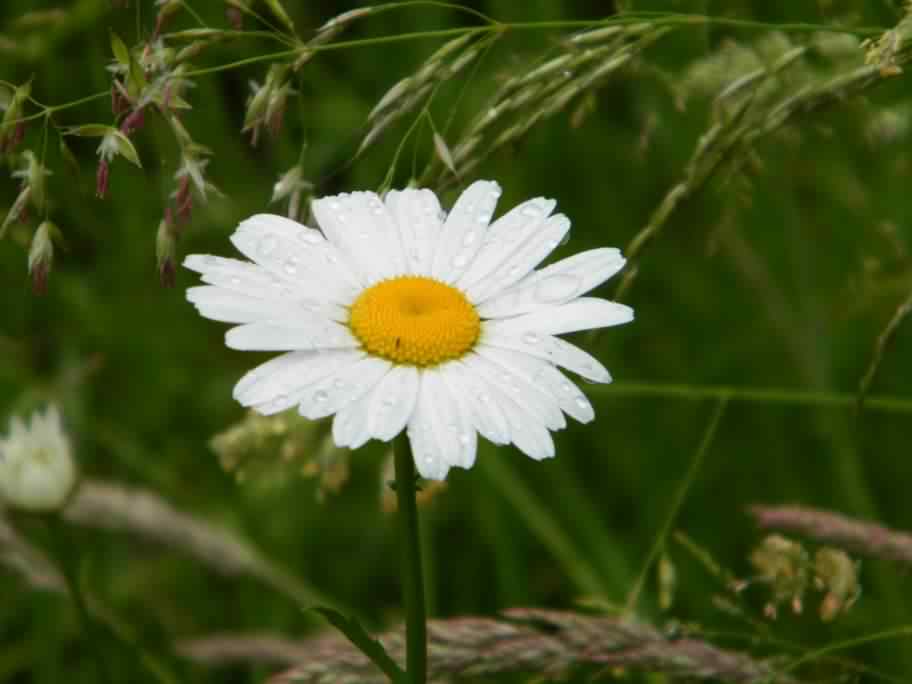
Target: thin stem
[
  {"x": 760, "y": 395},
  {"x": 680, "y": 495},
  {"x": 410, "y": 560}
]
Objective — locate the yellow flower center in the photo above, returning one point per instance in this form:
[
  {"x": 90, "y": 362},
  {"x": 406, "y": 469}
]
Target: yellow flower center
[{"x": 415, "y": 321}]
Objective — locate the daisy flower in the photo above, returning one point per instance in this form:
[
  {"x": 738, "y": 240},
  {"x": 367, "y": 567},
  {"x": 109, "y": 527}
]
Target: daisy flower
[
  {"x": 37, "y": 472},
  {"x": 397, "y": 316}
]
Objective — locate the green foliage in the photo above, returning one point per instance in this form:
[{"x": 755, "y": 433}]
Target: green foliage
[{"x": 754, "y": 167}]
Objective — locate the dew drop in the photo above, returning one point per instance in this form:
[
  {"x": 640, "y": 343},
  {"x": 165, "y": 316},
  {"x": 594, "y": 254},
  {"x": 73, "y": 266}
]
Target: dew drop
[
  {"x": 464, "y": 439},
  {"x": 582, "y": 403},
  {"x": 309, "y": 237},
  {"x": 388, "y": 403},
  {"x": 564, "y": 240},
  {"x": 469, "y": 238},
  {"x": 530, "y": 210},
  {"x": 268, "y": 245},
  {"x": 320, "y": 397},
  {"x": 567, "y": 387},
  {"x": 235, "y": 281},
  {"x": 290, "y": 267},
  {"x": 513, "y": 272},
  {"x": 484, "y": 398},
  {"x": 334, "y": 205},
  {"x": 483, "y": 218},
  {"x": 338, "y": 383},
  {"x": 530, "y": 338},
  {"x": 460, "y": 260}
]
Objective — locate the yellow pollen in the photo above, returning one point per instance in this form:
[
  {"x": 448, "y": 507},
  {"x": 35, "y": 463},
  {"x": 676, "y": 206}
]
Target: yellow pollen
[{"x": 415, "y": 321}]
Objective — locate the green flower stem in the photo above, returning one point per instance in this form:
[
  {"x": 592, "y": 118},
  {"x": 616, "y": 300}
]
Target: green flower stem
[
  {"x": 410, "y": 561},
  {"x": 61, "y": 547}
]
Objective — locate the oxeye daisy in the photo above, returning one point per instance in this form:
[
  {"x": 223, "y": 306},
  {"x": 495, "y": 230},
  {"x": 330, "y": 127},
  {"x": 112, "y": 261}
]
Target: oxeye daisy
[{"x": 397, "y": 316}]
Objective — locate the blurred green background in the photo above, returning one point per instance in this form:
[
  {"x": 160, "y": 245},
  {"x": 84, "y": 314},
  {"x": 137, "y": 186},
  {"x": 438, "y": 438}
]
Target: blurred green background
[{"x": 779, "y": 275}]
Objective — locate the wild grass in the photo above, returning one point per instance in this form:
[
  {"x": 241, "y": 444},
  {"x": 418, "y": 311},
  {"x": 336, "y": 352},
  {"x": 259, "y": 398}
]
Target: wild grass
[{"x": 751, "y": 161}]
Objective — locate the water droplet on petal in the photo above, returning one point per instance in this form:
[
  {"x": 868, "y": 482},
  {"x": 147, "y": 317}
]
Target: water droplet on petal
[
  {"x": 582, "y": 402},
  {"x": 464, "y": 439},
  {"x": 235, "y": 281},
  {"x": 513, "y": 272},
  {"x": 567, "y": 387},
  {"x": 268, "y": 245},
  {"x": 334, "y": 205},
  {"x": 320, "y": 397},
  {"x": 530, "y": 210},
  {"x": 338, "y": 383},
  {"x": 530, "y": 338},
  {"x": 290, "y": 266},
  {"x": 460, "y": 260},
  {"x": 308, "y": 236},
  {"x": 564, "y": 240},
  {"x": 469, "y": 238}
]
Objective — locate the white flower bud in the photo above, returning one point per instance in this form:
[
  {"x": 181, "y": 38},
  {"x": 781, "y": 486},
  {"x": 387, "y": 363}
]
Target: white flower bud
[{"x": 37, "y": 472}]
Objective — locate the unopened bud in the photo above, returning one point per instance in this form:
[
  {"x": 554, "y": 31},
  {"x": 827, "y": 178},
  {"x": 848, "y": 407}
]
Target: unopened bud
[
  {"x": 168, "y": 8},
  {"x": 165, "y": 248},
  {"x": 133, "y": 122},
  {"x": 101, "y": 178},
  {"x": 235, "y": 17},
  {"x": 41, "y": 256},
  {"x": 37, "y": 472}
]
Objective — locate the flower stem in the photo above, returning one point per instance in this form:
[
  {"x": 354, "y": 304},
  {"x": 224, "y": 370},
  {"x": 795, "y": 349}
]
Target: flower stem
[{"x": 410, "y": 561}]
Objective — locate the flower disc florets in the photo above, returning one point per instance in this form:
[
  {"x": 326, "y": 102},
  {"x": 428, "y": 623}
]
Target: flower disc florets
[{"x": 415, "y": 320}]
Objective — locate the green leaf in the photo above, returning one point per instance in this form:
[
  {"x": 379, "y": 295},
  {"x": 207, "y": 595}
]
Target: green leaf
[
  {"x": 91, "y": 130},
  {"x": 364, "y": 642},
  {"x": 120, "y": 50},
  {"x": 126, "y": 149}
]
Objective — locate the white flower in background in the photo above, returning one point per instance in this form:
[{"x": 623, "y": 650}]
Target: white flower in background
[
  {"x": 397, "y": 316},
  {"x": 37, "y": 472}
]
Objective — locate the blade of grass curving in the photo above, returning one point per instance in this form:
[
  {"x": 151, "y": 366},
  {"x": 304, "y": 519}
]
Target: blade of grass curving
[
  {"x": 542, "y": 523},
  {"x": 880, "y": 346},
  {"x": 364, "y": 642},
  {"x": 677, "y": 502}
]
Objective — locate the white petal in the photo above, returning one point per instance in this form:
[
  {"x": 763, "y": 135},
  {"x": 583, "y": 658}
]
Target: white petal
[
  {"x": 277, "y": 384},
  {"x": 504, "y": 237},
  {"x": 417, "y": 213},
  {"x": 484, "y": 413},
  {"x": 334, "y": 391},
  {"x": 360, "y": 224},
  {"x": 350, "y": 428},
  {"x": 529, "y": 436},
  {"x": 526, "y": 429},
  {"x": 553, "y": 349},
  {"x": 498, "y": 368},
  {"x": 224, "y": 305},
  {"x": 550, "y": 380},
  {"x": 458, "y": 422},
  {"x": 298, "y": 256},
  {"x": 393, "y": 402},
  {"x": 522, "y": 260},
  {"x": 453, "y": 435},
  {"x": 463, "y": 232},
  {"x": 558, "y": 283},
  {"x": 298, "y": 334},
  {"x": 424, "y": 438},
  {"x": 585, "y": 313}
]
